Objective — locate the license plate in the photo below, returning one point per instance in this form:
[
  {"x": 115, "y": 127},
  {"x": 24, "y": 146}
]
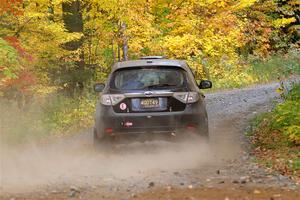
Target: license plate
[{"x": 150, "y": 103}]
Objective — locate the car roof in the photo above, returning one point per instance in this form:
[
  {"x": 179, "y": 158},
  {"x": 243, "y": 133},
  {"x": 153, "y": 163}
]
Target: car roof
[{"x": 150, "y": 62}]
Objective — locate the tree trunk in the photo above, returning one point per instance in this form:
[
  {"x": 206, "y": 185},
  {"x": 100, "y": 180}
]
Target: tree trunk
[
  {"x": 125, "y": 44},
  {"x": 73, "y": 21},
  {"x": 51, "y": 10}
]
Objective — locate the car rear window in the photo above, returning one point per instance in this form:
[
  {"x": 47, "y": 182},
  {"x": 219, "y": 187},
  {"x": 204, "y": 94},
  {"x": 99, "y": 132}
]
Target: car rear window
[{"x": 148, "y": 78}]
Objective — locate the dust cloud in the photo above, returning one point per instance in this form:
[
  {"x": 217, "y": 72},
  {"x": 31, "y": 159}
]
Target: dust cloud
[
  {"x": 74, "y": 160},
  {"x": 28, "y": 161}
]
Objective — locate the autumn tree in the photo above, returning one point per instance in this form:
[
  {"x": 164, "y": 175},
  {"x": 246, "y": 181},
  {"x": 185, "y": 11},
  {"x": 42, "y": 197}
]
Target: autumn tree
[
  {"x": 72, "y": 43},
  {"x": 73, "y": 21}
]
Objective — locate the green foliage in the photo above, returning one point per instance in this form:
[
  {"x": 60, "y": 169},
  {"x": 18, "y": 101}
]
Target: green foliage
[
  {"x": 286, "y": 117},
  {"x": 66, "y": 115},
  {"x": 58, "y": 115},
  {"x": 18, "y": 125},
  {"x": 296, "y": 163},
  {"x": 276, "y": 66},
  {"x": 260, "y": 71},
  {"x": 283, "y": 122},
  {"x": 276, "y": 135},
  {"x": 9, "y": 61}
]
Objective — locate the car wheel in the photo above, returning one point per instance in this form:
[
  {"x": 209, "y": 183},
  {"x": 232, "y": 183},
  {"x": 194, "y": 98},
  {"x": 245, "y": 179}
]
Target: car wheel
[
  {"x": 204, "y": 133},
  {"x": 102, "y": 144}
]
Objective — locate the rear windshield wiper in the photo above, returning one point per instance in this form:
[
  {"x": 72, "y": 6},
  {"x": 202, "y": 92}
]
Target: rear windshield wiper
[{"x": 159, "y": 85}]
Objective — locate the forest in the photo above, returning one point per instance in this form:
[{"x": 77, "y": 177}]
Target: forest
[{"x": 55, "y": 50}]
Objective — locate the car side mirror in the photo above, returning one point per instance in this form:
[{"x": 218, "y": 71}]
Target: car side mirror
[
  {"x": 205, "y": 84},
  {"x": 98, "y": 87}
]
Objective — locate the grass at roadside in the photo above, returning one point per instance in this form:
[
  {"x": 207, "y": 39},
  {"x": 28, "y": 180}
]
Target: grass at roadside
[
  {"x": 20, "y": 125},
  {"x": 260, "y": 71},
  {"x": 55, "y": 116},
  {"x": 276, "y": 136},
  {"x": 67, "y": 115}
]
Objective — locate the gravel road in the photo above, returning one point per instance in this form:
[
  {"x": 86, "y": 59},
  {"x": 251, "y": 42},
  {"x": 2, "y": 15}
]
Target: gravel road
[{"x": 71, "y": 169}]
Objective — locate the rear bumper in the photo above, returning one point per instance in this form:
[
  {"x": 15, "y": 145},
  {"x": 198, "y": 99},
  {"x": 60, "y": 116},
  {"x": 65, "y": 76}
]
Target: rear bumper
[{"x": 111, "y": 123}]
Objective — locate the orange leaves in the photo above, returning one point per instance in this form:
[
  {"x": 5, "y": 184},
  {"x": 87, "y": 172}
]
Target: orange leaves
[
  {"x": 11, "y": 6},
  {"x": 14, "y": 42},
  {"x": 13, "y": 72},
  {"x": 24, "y": 82}
]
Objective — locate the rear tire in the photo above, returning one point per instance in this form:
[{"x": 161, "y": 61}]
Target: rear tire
[
  {"x": 102, "y": 144},
  {"x": 204, "y": 133}
]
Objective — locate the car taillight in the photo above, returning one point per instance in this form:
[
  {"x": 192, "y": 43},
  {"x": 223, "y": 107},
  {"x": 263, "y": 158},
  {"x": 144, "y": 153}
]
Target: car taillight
[
  {"x": 187, "y": 97},
  {"x": 111, "y": 99},
  {"x": 108, "y": 130},
  {"x": 191, "y": 127}
]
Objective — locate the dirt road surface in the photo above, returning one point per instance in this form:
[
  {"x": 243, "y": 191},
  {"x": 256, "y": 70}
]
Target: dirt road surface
[{"x": 224, "y": 169}]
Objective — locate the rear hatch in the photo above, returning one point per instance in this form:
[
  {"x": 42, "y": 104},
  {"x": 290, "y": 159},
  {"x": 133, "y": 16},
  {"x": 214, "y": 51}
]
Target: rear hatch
[{"x": 148, "y": 89}]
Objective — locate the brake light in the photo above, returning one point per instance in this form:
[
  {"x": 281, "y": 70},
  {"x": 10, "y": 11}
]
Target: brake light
[
  {"x": 111, "y": 99},
  {"x": 190, "y": 127},
  {"x": 108, "y": 130},
  {"x": 186, "y": 97}
]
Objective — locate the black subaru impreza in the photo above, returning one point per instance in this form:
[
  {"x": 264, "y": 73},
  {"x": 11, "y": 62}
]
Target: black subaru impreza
[{"x": 148, "y": 97}]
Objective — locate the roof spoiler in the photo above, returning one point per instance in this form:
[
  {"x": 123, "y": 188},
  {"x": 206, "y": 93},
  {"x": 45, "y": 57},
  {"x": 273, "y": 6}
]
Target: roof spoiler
[{"x": 152, "y": 57}]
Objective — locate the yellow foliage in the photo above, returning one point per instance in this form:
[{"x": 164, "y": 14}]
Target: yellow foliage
[
  {"x": 244, "y": 4},
  {"x": 278, "y": 23},
  {"x": 293, "y": 133},
  {"x": 207, "y": 33}
]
